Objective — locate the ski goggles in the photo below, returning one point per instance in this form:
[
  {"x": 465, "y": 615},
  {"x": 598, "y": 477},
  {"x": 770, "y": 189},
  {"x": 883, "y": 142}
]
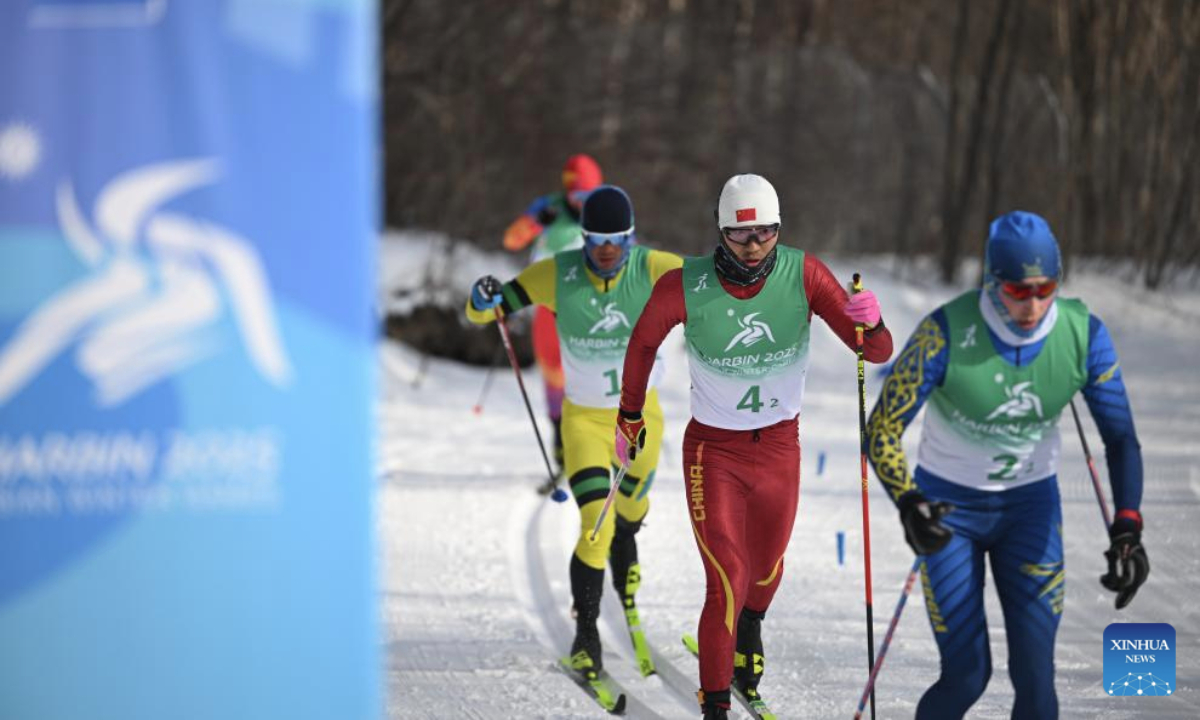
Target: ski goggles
[
  {"x": 620, "y": 239},
  {"x": 1022, "y": 291},
  {"x": 741, "y": 236}
]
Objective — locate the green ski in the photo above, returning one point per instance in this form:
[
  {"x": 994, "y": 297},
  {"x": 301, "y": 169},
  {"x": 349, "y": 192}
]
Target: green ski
[
  {"x": 640, "y": 647},
  {"x": 755, "y": 705},
  {"x": 597, "y": 685}
]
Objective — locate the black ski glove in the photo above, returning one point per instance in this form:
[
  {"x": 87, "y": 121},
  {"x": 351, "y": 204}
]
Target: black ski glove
[
  {"x": 486, "y": 293},
  {"x": 922, "y": 522},
  {"x": 547, "y": 215},
  {"x": 1128, "y": 566}
]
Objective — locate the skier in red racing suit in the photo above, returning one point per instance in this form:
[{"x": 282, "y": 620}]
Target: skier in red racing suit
[{"x": 746, "y": 310}]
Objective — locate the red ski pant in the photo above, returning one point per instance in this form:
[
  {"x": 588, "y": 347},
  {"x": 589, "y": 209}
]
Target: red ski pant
[
  {"x": 549, "y": 359},
  {"x": 743, "y": 488}
]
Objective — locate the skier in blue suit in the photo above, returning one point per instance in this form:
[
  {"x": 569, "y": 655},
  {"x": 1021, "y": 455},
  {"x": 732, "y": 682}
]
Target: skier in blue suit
[{"x": 998, "y": 365}]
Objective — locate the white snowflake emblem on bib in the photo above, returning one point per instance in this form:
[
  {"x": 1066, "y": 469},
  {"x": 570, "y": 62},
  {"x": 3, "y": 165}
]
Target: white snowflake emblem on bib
[
  {"x": 752, "y": 331},
  {"x": 613, "y": 319},
  {"x": 1021, "y": 403}
]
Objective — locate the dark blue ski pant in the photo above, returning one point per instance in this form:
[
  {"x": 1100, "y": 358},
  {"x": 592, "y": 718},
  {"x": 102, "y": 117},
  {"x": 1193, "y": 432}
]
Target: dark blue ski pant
[{"x": 1020, "y": 532}]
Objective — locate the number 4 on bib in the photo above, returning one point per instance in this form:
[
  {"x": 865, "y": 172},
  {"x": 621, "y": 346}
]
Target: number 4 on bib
[{"x": 750, "y": 400}]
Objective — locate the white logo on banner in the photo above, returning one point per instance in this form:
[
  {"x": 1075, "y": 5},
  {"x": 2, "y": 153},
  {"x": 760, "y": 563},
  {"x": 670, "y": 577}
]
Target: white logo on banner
[
  {"x": 752, "y": 331},
  {"x": 20, "y": 150},
  {"x": 154, "y": 290},
  {"x": 1021, "y": 403}
]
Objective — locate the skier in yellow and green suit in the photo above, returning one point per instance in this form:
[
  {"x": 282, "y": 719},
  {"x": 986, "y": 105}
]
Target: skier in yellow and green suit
[{"x": 597, "y": 293}]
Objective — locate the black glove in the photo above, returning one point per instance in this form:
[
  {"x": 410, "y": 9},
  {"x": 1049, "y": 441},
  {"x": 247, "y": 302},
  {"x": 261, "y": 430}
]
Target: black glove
[
  {"x": 923, "y": 529},
  {"x": 547, "y": 215},
  {"x": 485, "y": 293},
  {"x": 1128, "y": 566}
]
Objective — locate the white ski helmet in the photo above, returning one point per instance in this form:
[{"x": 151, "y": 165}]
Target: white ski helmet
[{"x": 747, "y": 201}]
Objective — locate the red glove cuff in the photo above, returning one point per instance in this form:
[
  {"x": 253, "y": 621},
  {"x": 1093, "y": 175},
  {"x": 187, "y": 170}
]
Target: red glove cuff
[{"x": 1133, "y": 515}]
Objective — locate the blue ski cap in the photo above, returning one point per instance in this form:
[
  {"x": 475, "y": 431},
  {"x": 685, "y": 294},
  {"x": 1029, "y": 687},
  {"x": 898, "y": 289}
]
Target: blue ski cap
[
  {"x": 607, "y": 217},
  {"x": 1020, "y": 245}
]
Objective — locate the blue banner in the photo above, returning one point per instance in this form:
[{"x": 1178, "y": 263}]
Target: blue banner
[{"x": 188, "y": 224}]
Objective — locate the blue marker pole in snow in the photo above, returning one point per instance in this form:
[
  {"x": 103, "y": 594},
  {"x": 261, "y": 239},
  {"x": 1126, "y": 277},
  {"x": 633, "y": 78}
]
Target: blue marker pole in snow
[
  {"x": 841, "y": 548},
  {"x": 820, "y": 463}
]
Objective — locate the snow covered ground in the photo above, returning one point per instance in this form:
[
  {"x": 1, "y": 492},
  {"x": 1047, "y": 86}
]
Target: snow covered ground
[{"x": 475, "y": 596}]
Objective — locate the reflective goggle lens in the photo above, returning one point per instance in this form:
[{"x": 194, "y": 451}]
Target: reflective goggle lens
[
  {"x": 1021, "y": 291},
  {"x": 620, "y": 239},
  {"x": 761, "y": 233}
]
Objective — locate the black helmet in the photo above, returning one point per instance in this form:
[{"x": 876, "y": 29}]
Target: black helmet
[
  {"x": 607, "y": 210},
  {"x": 607, "y": 218}
]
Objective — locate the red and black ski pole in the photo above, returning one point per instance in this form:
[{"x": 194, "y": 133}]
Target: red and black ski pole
[
  {"x": 558, "y": 494},
  {"x": 866, "y": 505},
  {"x": 1087, "y": 454},
  {"x": 887, "y": 638}
]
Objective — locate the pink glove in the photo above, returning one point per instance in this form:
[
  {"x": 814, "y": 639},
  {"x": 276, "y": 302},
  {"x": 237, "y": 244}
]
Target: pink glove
[{"x": 863, "y": 308}]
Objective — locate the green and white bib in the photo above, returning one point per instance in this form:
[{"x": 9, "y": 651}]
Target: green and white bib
[
  {"x": 562, "y": 234},
  {"x": 747, "y": 358},
  {"x": 594, "y": 327},
  {"x": 994, "y": 426}
]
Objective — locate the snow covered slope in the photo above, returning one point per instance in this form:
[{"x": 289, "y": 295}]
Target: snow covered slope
[{"x": 475, "y": 596}]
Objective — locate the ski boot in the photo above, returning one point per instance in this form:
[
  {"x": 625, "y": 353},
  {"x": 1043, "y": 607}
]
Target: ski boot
[
  {"x": 748, "y": 658},
  {"x": 715, "y": 704},
  {"x": 623, "y": 556},
  {"x": 587, "y": 583},
  {"x": 585, "y": 650}
]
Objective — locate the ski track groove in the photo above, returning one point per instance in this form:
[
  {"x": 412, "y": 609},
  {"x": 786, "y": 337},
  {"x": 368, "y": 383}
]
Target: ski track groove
[{"x": 554, "y": 624}]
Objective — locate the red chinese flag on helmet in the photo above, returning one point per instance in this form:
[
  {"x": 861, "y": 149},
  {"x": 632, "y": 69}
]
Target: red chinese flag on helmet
[{"x": 747, "y": 200}]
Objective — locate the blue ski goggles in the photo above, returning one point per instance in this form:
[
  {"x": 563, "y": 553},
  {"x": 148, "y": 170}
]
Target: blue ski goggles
[{"x": 620, "y": 239}]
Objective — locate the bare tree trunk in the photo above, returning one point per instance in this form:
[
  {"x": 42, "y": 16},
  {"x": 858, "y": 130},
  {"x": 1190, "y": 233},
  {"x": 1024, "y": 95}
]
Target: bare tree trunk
[
  {"x": 611, "y": 122},
  {"x": 744, "y": 88},
  {"x": 1002, "y": 117},
  {"x": 959, "y": 200},
  {"x": 950, "y": 178},
  {"x": 1166, "y": 244},
  {"x": 1083, "y": 69}
]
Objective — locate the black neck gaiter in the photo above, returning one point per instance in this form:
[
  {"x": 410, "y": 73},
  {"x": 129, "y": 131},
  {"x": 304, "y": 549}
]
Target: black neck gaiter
[{"x": 733, "y": 270}]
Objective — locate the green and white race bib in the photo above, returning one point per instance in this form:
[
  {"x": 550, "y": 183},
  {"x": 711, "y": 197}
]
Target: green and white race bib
[
  {"x": 992, "y": 425},
  {"x": 747, "y": 358},
  {"x": 594, "y": 327}
]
